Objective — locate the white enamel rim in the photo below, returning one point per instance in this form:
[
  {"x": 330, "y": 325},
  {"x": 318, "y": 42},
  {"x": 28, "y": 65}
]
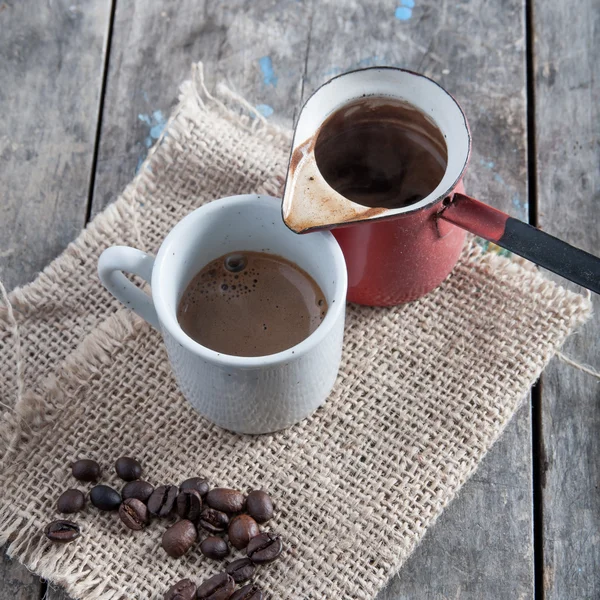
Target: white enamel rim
[
  {"x": 168, "y": 316},
  {"x": 460, "y": 148}
]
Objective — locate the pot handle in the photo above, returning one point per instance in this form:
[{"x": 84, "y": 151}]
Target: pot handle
[{"x": 523, "y": 239}]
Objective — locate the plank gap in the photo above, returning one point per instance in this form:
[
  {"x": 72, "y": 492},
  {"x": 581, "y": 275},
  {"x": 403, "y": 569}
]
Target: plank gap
[
  {"x": 538, "y": 477},
  {"x": 531, "y": 122},
  {"x": 536, "y": 392},
  {"x": 109, "y": 33}
]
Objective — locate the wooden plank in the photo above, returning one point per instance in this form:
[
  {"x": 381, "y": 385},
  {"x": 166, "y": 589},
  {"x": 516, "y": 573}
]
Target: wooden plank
[
  {"x": 487, "y": 532},
  {"x": 51, "y": 69},
  {"x": 154, "y": 45},
  {"x": 567, "y": 92},
  {"x": 16, "y": 582},
  {"x": 275, "y": 53}
]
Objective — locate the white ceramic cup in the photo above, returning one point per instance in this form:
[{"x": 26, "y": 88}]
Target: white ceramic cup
[{"x": 243, "y": 394}]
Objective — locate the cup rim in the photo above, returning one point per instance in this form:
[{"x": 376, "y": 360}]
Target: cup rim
[{"x": 168, "y": 317}]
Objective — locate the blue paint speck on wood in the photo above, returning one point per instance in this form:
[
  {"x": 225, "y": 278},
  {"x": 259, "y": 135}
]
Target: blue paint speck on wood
[
  {"x": 266, "y": 66},
  {"x": 156, "y": 123},
  {"x": 264, "y": 109},
  {"x": 403, "y": 13},
  {"x": 157, "y": 130}
]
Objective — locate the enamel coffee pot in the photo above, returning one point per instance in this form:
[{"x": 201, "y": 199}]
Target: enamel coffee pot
[{"x": 396, "y": 255}]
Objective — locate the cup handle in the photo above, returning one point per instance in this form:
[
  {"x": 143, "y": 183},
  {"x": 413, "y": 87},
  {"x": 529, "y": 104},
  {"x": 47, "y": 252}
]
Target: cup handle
[{"x": 111, "y": 264}]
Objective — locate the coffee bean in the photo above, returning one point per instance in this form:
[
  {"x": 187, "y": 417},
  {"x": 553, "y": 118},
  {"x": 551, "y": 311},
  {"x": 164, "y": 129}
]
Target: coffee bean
[
  {"x": 141, "y": 490},
  {"x": 62, "y": 532},
  {"x": 218, "y": 587},
  {"x": 86, "y": 470},
  {"x": 225, "y": 500},
  {"x": 128, "y": 468},
  {"x": 214, "y": 547},
  {"x": 105, "y": 498},
  {"x": 195, "y": 483},
  {"x": 179, "y": 538},
  {"x": 259, "y": 506},
  {"x": 241, "y": 569},
  {"x": 264, "y": 548},
  {"x": 189, "y": 505},
  {"x": 162, "y": 501},
  {"x": 241, "y": 530},
  {"x": 134, "y": 513},
  {"x": 248, "y": 592},
  {"x": 213, "y": 520},
  {"x": 71, "y": 501},
  {"x": 182, "y": 590}
]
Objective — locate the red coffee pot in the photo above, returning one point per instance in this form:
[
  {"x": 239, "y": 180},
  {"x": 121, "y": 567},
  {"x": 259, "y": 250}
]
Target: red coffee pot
[{"x": 396, "y": 255}]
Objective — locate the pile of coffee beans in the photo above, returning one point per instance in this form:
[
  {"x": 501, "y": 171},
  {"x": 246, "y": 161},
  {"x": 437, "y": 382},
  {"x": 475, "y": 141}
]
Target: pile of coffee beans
[{"x": 228, "y": 517}]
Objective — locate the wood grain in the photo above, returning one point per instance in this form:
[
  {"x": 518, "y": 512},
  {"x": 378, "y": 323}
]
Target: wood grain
[
  {"x": 51, "y": 64},
  {"x": 567, "y": 93},
  {"x": 275, "y": 53},
  {"x": 51, "y": 68}
]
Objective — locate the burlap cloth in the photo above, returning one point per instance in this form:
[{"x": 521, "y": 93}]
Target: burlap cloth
[{"x": 423, "y": 392}]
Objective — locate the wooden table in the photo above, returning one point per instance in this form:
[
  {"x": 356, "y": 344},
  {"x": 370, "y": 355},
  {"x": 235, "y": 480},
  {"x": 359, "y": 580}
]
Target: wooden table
[{"x": 86, "y": 86}]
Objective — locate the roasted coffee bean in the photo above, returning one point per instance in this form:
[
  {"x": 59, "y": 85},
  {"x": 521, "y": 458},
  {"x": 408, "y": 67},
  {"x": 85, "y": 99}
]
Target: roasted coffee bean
[
  {"x": 213, "y": 520},
  {"x": 241, "y": 530},
  {"x": 105, "y": 498},
  {"x": 218, "y": 587},
  {"x": 62, "y": 531},
  {"x": 141, "y": 490},
  {"x": 71, "y": 501},
  {"x": 179, "y": 538},
  {"x": 128, "y": 468},
  {"x": 134, "y": 514},
  {"x": 229, "y": 501},
  {"x": 241, "y": 570},
  {"x": 264, "y": 548},
  {"x": 195, "y": 483},
  {"x": 86, "y": 470},
  {"x": 189, "y": 505},
  {"x": 162, "y": 501},
  {"x": 259, "y": 506},
  {"x": 214, "y": 547},
  {"x": 248, "y": 592},
  {"x": 182, "y": 590}
]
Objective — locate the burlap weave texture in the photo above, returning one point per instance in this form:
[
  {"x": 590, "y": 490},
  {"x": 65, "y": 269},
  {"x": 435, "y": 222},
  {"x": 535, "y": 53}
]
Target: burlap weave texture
[{"x": 424, "y": 391}]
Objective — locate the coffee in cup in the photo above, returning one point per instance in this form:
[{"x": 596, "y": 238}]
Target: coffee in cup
[{"x": 251, "y": 304}]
